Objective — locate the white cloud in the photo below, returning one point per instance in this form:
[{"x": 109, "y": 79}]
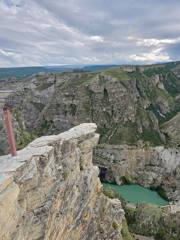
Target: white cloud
[
  {"x": 152, "y": 42},
  {"x": 150, "y": 57},
  {"x": 98, "y": 39},
  {"x": 155, "y": 49},
  {"x": 7, "y": 53}
]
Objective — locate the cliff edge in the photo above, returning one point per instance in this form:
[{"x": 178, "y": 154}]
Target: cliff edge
[{"x": 51, "y": 190}]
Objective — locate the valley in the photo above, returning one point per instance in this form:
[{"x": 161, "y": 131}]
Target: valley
[{"x": 137, "y": 113}]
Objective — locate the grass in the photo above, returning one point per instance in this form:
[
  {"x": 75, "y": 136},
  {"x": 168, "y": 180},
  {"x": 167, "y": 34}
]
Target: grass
[
  {"x": 110, "y": 193},
  {"x": 152, "y": 136},
  {"x": 117, "y": 73},
  {"x": 43, "y": 85},
  {"x": 25, "y": 138}
]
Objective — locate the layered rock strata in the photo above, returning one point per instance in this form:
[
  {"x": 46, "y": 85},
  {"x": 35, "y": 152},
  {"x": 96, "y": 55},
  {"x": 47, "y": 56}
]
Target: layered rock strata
[{"x": 51, "y": 191}]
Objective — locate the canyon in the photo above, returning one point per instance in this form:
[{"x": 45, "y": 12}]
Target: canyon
[{"x": 137, "y": 113}]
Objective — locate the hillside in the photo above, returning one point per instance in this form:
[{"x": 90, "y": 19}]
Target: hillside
[{"x": 130, "y": 105}]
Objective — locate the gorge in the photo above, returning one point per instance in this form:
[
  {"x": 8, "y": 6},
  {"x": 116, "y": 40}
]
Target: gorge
[{"x": 136, "y": 110}]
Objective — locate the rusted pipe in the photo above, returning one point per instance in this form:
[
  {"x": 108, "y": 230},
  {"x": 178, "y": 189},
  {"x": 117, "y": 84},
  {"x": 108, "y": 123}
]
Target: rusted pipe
[{"x": 9, "y": 129}]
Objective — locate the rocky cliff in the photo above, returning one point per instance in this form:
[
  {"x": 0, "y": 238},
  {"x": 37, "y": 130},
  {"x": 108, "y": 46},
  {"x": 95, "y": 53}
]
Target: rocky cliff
[
  {"x": 133, "y": 106},
  {"x": 51, "y": 190},
  {"x": 155, "y": 167},
  {"x": 129, "y": 105},
  {"x": 136, "y": 110}
]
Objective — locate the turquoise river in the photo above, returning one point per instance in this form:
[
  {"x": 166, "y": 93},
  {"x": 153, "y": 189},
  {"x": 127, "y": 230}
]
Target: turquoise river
[{"x": 137, "y": 194}]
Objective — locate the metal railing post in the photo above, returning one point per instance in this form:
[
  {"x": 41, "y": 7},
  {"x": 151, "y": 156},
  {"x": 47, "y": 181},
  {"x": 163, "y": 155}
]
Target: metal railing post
[{"x": 9, "y": 129}]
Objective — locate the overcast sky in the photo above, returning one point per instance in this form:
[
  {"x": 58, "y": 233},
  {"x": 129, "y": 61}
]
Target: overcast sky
[{"x": 54, "y": 32}]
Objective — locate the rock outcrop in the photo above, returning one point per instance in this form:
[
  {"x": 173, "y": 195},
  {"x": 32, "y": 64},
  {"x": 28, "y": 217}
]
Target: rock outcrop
[
  {"x": 51, "y": 191},
  {"x": 172, "y": 129}
]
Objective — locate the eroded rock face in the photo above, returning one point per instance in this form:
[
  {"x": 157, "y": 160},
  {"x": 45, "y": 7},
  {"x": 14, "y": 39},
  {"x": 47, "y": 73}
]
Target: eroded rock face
[
  {"x": 128, "y": 104},
  {"x": 172, "y": 129},
  {"x": 149, "y": 166},
  {"x": 52, "y": 191}
]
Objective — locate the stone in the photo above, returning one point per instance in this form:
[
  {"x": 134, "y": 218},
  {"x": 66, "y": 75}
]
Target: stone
[{"x": 51, "y": 191}]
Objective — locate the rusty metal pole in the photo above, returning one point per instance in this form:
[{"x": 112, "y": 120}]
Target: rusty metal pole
[{"x": 9, "y": 128}]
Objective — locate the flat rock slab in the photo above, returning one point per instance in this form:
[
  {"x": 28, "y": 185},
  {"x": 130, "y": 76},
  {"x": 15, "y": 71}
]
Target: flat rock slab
[{"x": 139, "y": 237}]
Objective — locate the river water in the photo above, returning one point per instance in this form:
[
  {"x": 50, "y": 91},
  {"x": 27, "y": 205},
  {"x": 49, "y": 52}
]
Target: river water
[{"x": 138, "y": 194}]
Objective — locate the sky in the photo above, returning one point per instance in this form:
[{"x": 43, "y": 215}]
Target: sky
[{"x": 57, "y": 32}]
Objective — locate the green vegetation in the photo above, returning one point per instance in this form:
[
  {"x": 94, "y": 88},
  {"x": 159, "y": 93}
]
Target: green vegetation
[
  {"x": 110, "y": 193},
  {"x": 130, "y": 214},
  {"x": 66, "y": 174},
  {"x": 128, "y": 134},
  {"x": 169, "y": 227},
  {"x": 151, "y": 71},
  {"x": 125, "y": 133},
  {"x": 116, "y": 73},
  {"x": 126, "y": 235},
  {"x": 78, "y": 79},
  {"x": 24, "y": 136},
  {"x": 25, "y": 139},
  {"x": 161, "y": 192},
  {"x": 115, "y": 225},
  {"x": 43, "y": 85},
  {"x": 150, "y": 220},
  {"x": 127, "y": 179},
  {"x": 152, "y": 136},
  {"x": 44, "y": 127},
  {"x": 147, "y": 220}
]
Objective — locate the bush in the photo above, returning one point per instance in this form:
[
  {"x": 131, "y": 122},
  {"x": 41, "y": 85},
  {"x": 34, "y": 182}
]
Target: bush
[
  {"x": 109, "y": 192},
  {"x": 126, "y": 235}
]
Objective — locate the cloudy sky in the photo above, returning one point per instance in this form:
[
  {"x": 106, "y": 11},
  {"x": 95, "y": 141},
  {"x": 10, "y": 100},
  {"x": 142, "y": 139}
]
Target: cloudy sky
[{"x": 54, "y": 32}]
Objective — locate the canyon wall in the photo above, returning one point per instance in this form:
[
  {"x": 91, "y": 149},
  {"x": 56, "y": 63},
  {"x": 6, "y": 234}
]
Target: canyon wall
[
  {"x": 51, "y": 190},
  {"x": 156, "y": 167},
  {"x": 131, "y": 105}
]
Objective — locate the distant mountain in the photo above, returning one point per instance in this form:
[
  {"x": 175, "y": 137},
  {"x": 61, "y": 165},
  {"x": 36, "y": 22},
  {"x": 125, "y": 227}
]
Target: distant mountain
[{"x": 21, "y": 72}]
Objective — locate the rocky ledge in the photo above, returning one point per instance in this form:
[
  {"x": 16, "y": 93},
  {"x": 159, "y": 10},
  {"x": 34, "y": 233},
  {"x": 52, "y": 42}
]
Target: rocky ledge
[{"x": 51, "y": 190}]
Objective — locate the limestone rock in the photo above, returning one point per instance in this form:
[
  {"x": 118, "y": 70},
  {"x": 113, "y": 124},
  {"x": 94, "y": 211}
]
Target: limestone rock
[{"x": 51, "y": 191}]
